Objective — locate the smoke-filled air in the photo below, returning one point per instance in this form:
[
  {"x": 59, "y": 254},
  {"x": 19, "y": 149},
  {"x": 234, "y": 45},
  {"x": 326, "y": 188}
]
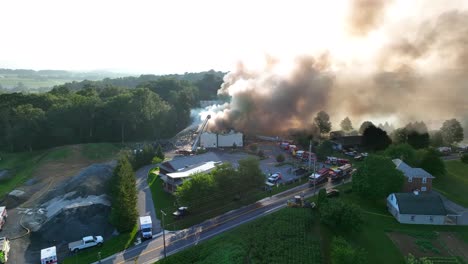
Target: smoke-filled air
[{"x": 416, "y": 69}]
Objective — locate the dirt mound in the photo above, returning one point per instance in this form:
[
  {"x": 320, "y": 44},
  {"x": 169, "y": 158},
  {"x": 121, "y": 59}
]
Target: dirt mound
[
  {"x": 92, "y": 180},
  {"x": 71, "y": 225}
]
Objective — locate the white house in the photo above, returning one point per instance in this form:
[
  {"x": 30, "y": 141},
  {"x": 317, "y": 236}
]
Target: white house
[{"x": 417, "y": 208}]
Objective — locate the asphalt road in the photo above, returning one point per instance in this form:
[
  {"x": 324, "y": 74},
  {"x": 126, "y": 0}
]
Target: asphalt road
[
  {"x": 145, "y": 199},
  {"x": 153, "y": 250},
  {"x": 451, "y": 157}
]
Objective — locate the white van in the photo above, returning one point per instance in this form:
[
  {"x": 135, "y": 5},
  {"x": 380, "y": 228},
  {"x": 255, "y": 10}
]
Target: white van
[{"x": 49, "y": 255}]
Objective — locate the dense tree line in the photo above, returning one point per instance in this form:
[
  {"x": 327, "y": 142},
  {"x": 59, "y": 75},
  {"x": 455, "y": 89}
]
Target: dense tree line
[{"x": 97, "y": 112}]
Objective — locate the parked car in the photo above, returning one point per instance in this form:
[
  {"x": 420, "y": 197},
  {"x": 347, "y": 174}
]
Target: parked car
[
  {"x": 332, "y": 192},
  {"x": 276, "y": 176},
  {"x": 85, "y": 242},
  {"x": 181, "y": 212},
  {"x": 358, "y": 157}
]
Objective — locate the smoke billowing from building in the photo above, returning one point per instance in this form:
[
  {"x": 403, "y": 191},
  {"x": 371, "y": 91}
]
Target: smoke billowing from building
[
  {"x": 366, "y": 15},
  {"x": 419, "y": 75}
]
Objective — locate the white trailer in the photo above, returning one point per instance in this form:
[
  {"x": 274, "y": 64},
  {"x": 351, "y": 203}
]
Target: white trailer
[
  {"x": 49, "y": 255},
  {"x": 3, "y": 216},
  {"x": 146, "y": 227}
]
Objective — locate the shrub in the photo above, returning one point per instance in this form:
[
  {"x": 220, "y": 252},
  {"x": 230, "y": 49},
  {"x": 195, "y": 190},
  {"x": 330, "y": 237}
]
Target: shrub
[
  {"x": 261, "y": 154},
  {"x": 280, "y": 158},
  {"x": 253, "y": 148},
  {"x": 156, "y": 160},
  {"x": 464, "y": 158}
]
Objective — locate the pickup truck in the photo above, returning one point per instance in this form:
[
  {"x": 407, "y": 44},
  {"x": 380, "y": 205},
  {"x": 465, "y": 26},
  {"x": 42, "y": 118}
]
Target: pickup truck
[{"x": 85, "y": 242}]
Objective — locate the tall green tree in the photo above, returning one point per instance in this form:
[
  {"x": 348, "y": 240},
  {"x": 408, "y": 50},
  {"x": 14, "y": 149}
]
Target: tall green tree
[
  {"x": 29, "y": 121},
  {"x": 375, "y": 138},
  {"x": 452, "y": 131},
  {"x": 364, "y": 126},
  {"x": 346, "y": 124},
  {"x": 404, "y": 152},
  {"x": 159, "y": 152},
  {"x": 341, "y": 216},
  {"x": 432, "y": 163},
  {"x": 196, "y": 191},
  {"x": 250, "y": 174},
  {"x": 124, "y": 196},
  {"x": 377, "y": 178},
  {"x": 324, "y": 150},
  {"x": 322, "y": 121}
]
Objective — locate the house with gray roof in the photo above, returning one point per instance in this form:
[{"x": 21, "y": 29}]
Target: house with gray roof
[
  {"x": 415, "y": 178},
  {"x": 175, "y": 171},
  {"x": 417, "y": 208}
]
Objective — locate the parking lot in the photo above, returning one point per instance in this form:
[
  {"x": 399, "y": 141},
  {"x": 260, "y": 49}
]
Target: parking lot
[{"x": 268, "y": 165}]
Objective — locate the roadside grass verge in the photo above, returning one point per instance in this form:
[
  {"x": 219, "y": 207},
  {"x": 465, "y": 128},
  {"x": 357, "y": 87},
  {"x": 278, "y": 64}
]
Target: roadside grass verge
[
  {"x": 286, "y": 236},
  {"x": 110, "y": 247},
  {"x": 100, "y": 151},
  {"x": 454, "y": 184},
  {"x": 167, "y": 202}
]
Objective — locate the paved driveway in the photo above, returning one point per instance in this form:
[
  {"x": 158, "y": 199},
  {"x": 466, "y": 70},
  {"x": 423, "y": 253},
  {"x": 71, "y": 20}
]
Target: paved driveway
[{"x": 145, "y": 199}]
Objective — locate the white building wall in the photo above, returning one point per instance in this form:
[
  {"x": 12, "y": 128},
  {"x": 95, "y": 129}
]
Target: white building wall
[
  {"x": 227, "y": 140},
  {"x": 421, "y": 219},
  {"x": 208, "y": 140}
]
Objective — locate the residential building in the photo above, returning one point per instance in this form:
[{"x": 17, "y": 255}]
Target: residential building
[
  {"x": 175, "y": 171},
  {"x": 415, "y": 178},
  {"x": 417, "y": 208}
]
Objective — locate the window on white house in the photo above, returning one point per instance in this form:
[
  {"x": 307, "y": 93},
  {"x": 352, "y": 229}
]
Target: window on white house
[
  {"x": 412, "y": 218},
  {"x": 431, "y": 219},
  {"x": 424, "y": 180},
  {"x": 410, "y": 179}
]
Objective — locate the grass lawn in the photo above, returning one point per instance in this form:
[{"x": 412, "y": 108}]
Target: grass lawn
[
  {"x": 166, "y": 202},
  {"x": 22, "y": 165},
  {"x": 454, "y": 185},
  {"x": 286, "y": 236},
  {"x": 110, "y": 247},
  {"x": 100, "y": 151}
]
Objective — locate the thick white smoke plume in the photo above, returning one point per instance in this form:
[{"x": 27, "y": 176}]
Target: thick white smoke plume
[{"x": 419, "y": 75}]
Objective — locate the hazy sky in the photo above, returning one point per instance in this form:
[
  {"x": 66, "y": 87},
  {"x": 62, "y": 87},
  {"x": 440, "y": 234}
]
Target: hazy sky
[{"x": 179, "y": 36}]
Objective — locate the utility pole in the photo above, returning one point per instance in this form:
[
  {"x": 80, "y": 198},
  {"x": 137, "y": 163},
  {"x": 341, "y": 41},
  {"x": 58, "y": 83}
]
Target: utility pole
[
  {"x": 164, "y": 236},
  {"x": 310, "y": 151},
  {"x": 315, "y": 179}
]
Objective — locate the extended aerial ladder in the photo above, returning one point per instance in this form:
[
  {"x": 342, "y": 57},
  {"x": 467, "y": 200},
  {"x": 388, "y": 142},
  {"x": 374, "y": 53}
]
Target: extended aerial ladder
[{"x": 201, "y": 130}]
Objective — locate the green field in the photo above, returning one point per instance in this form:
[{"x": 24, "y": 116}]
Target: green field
[
  {"x": 287, "y": 236},
  {"x": 32, "y": 83},
  {"x": 454, "y": 185}
]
